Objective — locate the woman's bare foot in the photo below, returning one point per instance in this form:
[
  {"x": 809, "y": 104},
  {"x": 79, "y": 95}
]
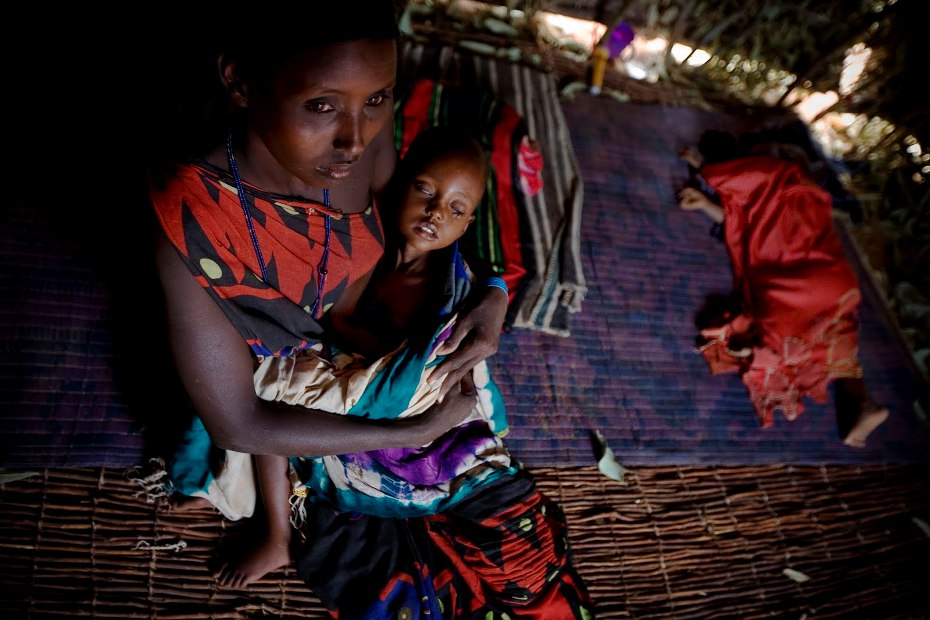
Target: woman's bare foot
[
  {"x": 269, "y": 555},
  {"x": 182, "y": 503},
  {"x": 870, "y": 417}
]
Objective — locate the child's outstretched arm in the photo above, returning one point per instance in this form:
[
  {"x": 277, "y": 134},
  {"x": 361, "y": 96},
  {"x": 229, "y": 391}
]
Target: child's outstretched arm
[
  {"x": 691, "y": 199},
  {"x": 344, "y": 330}
]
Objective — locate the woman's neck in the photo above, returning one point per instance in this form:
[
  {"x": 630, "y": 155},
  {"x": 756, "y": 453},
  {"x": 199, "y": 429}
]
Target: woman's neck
[{"x": 259, "y": 168}]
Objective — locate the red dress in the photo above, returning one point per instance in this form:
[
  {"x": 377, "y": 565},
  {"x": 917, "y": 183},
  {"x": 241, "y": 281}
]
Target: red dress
[
  {"x": 798, "y": 290},
  {"x": 200, "y": 212}
]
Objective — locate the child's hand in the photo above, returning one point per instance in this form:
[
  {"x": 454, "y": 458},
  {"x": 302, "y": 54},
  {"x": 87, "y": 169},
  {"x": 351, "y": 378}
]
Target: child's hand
[
  {"x": 691, "y": 156},
  {"x": 691, "y": 199}
]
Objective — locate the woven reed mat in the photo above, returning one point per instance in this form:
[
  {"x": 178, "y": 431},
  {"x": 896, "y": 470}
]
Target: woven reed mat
[{"x": 670, "y": 543}]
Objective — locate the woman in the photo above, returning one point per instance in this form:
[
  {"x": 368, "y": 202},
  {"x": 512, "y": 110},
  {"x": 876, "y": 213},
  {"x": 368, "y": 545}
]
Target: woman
[{"x": 277, "y": 222}]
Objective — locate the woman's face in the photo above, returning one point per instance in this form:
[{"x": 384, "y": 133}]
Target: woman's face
[
  {"x": 319, "y": 112},
  {"x": 439, "y": 202}
]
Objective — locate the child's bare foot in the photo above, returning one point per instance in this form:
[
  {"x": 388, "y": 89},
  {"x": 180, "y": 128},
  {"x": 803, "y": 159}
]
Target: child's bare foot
[
  {"x": 182, "y": 503},
  {"x": 870, "y": 417},
  {"x": 269, "y": 555}
]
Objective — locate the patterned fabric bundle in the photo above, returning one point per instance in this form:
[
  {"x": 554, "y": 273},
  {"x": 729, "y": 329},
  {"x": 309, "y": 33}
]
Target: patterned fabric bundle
[
  {"x": 452, "y": 530},
  {"x": 392, "y": 482}
]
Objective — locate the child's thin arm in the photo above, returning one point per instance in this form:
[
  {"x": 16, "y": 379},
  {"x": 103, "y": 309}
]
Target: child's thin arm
[{"x": 342, "y": 328}]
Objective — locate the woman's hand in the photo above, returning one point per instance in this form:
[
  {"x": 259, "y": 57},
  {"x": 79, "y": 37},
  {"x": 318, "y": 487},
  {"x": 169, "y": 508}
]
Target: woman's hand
[
  {"x": 448, "y": 412},
  {"x": 475, "y": 337}
]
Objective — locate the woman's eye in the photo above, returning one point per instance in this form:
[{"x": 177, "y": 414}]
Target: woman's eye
[
  {"x": 376, "y": 100},
  {"x": 319, "y": 107}
]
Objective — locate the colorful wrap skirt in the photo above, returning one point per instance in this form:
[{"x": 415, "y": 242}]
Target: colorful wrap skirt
[{"x": 453, "y": 529}]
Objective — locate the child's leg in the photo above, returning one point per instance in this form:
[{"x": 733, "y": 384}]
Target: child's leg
[
  {"x": 273, "y": 550},
  {"x": 856, "y": 411}
]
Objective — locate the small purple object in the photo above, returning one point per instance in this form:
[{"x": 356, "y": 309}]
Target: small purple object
[{"x": 619, "y": 39}]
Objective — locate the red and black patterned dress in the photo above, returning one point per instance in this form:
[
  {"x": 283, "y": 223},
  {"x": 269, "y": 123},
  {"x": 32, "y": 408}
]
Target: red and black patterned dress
[{"x": 200, "y": 212}]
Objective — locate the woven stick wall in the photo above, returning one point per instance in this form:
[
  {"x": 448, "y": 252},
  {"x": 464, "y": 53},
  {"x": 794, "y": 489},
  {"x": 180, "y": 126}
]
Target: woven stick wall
[{"x": 671, "y": 543}]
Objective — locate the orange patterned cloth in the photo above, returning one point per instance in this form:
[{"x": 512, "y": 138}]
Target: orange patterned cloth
[{"x": 799, "y": 292}]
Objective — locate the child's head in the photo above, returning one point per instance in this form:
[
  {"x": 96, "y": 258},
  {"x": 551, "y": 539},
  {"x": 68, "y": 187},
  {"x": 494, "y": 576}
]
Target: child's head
[
  {"x": 718, "y": 146},
  {"x": 442, "y": 179},
  {"x": 314, "y": 88}
]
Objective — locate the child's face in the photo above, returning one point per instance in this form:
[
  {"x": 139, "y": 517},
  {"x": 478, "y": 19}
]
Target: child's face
[
  {"x": 322, "y": 109},
  {"x": 439, "y": 202}
]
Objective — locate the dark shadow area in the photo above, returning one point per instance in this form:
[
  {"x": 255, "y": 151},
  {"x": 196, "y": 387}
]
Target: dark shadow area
[{"x": 88, "y": 376}]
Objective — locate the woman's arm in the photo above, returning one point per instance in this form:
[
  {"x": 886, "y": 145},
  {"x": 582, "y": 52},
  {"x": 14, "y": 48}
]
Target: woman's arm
[{"x": 216, "y": 367}]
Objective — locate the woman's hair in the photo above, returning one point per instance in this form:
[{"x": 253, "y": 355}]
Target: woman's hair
[
  {"x": 271, "y": 34},
  {"x": 786, "y": 151}
]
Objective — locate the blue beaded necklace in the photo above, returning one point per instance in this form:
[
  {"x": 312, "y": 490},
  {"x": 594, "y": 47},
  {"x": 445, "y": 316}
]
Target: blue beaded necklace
[{"x": 327, "y": 220}]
